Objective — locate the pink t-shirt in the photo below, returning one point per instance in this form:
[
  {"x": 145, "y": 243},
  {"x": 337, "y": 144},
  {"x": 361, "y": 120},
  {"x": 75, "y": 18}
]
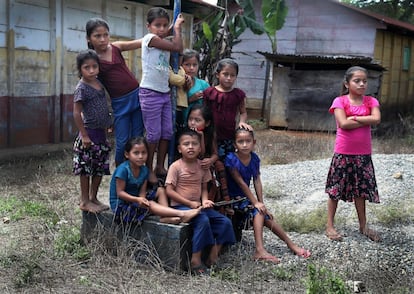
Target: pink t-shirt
[
  {"x": 356, "y": 141},
  {"x": 187, "y": 181}
]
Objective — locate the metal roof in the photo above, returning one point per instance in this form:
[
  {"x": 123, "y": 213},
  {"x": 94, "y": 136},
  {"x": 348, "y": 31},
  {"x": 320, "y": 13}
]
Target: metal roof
[
  {"x": 390, "y": 22},
  {"x": 294, "y": 59}
]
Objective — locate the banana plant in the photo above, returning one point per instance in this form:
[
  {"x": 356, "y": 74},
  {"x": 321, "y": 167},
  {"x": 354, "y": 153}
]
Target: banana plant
[{"x": 216, "y": 35}]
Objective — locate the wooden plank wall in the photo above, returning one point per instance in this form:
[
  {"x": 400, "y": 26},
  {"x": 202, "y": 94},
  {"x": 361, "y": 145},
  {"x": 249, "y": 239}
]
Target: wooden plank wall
[
  {"x": 397, "y": 93},
  {"x": 301, "y": 98}
]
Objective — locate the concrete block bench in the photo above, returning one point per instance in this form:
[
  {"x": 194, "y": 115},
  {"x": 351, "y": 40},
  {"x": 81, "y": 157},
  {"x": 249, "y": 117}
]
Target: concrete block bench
[{"x": 171, "y": 243}]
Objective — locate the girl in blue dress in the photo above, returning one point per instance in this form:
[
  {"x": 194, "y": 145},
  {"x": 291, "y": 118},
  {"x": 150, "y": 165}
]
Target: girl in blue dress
[
  {"x": 242, "y": 166},
  {"x": 128, "y": 197}
]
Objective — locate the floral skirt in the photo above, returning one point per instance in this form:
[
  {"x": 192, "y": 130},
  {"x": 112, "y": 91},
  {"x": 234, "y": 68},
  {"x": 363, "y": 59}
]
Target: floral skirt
[
  {"x": 92, "y": 161},
  {"x": 352, "y": 176}
]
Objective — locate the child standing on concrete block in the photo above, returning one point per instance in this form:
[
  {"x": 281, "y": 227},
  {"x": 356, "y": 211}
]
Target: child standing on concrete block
[
  {"x": 91, "y": 116},
  {"x": 128, "y": 197},
  {"x": 154, "y": 91},
  {"x": 186, "y": 185}
]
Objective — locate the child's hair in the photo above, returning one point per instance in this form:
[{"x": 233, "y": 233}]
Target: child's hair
[
  {"x": 188, "y": 132},
  {"x": 227, "y": 62},
  {"x": 190, "y": 53},
  {"x": 208, "y": 130},
  {"x": 135, "y": 141},
  {"x": 241, "y": 130},
  {"x": 83, "y": 56},
  {"x": 157, "y": 12},
  {"x": 92, "y": 24},
  {"x": 348, "y": 76}
]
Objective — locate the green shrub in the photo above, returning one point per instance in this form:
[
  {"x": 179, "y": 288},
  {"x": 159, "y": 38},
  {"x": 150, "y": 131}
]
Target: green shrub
[
  {"x": 283, "y": 274},
  {"x": 227, "y": 274},
  {"x": 321, "y": 280},
  {"x": 68, "y": 242}
]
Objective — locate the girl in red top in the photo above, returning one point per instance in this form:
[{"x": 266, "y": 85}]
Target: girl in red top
[
  {"x": 226, "y": 102},
  {"x": 119, "y": 81}
]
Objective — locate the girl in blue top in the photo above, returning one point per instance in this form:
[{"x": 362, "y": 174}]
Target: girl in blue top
[
  {"x": 244, "y": 165},
  {"x": 190, "y": 62},
  {"x": 128, "y": 197}
]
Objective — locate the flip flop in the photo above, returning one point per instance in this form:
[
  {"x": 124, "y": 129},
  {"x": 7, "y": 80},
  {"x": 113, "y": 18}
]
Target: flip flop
[
  {"x": 304, "y": 253},
  {"x": 267, "y": 258},
  {"x": 200, "y": 270},
  {"x": 371, "y": 234},
  {"x": 334, "y": 236}
]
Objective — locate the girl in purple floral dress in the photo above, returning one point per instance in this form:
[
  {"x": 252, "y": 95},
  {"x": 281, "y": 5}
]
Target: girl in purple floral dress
[{"x": 92, "y": 118}]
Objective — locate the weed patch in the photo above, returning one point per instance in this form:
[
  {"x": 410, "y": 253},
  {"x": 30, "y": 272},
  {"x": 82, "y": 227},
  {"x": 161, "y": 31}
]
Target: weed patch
[
  {"x": 68, "y": 242},
  {"x": 17, "y": 209},
  {"x": 396, "y": 212},
  {"x": 321, "y": 280}
]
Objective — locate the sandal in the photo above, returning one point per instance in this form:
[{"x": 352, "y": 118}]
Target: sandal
[{"x": 200, "y": 270}]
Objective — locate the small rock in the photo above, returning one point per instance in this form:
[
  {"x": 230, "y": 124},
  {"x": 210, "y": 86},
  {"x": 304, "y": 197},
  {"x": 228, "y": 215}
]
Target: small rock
[{"x": 398, "y": 175}]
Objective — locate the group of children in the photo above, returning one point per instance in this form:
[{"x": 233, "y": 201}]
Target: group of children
[{"x": 214, "y": 131}]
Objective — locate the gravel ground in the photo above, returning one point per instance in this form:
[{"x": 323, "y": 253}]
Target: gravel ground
[{"x": 385, "y": 267}]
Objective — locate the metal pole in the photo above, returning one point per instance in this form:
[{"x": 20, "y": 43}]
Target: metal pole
[{"x": 175, "y": 66}]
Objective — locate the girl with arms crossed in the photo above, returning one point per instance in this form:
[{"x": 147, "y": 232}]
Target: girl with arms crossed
[{"x": 351, "y": 175}]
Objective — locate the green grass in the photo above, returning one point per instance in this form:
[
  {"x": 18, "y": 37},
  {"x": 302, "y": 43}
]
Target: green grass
[
  {"x": 311, "y": 221},
  {"x": 396, "y": 212},
  {"x": 68, "y": 241},
  {"x": 16, "y": 209},
  {"x": 322, "y": 280}
]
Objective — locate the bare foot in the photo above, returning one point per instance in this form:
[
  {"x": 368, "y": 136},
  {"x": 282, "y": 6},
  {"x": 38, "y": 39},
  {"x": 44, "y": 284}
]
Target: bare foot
[
  {"x": 333, "y": 235},
  {"x": 102, "y": 206},
  {"x": 300, "y": 251},
  {"x": 170, "y": 220},
  {"x": 189, "y": 214},
  {"x": 89, "y": 207},
  {"x": 263, "y": 255},
  {"x": 371, "y": 234},
  {"x": 267, "y": 258}
]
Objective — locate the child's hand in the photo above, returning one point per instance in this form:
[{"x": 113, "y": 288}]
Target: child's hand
[
  {"x": 196, "y": 96},
  {"x": 195, "y": 204},
  {"x": 261, "y": 207},
  {"x": 179, "y": 21},
  {"x": 206, "y": 163},
  {"x": 208, "y": 204},
  {"x": 246, "y": 126},
  {"x": 188, "y": 82},
  {"x": 143, "y": 202},
  {"x": 86, "y": 142}
]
